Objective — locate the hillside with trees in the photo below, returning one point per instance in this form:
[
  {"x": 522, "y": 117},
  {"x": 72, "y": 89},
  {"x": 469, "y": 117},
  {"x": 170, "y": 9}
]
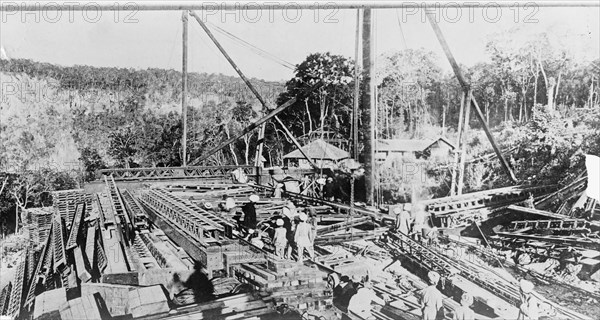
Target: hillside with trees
[{"x": 540, "y": 101}]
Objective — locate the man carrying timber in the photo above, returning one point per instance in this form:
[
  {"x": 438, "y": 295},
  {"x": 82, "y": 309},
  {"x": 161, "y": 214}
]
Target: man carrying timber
[{"x": 432, "y": 306}]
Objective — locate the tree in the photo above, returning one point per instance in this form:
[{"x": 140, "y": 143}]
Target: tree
[
  {"x": 122, "y": 145},
  {"x": 408, "y": 83},
  {"x": 92, "y": 161},
  {"x": 330, "y": 106}
]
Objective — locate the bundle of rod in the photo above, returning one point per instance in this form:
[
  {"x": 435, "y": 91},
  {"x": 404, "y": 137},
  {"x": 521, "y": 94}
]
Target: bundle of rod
[
  {"x": 360, "y": 235},
  {"x": 502, "y": 289},
  {"x": 578, "y": 242},
  {"x": 562, "y": 194},
  {"x": 339, "y": 207},
  {"x": 350, "y": 222}
]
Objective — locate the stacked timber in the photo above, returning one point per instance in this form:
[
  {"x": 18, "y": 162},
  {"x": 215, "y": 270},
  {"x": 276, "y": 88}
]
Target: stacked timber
[
  {"x": 65, "y": 202},
  {"x": 39, "y": 223},
  {"x": 286, "y": 282}
]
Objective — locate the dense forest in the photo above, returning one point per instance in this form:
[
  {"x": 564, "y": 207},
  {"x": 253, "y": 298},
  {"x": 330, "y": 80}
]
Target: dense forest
[{"x": 540, "y": 101}]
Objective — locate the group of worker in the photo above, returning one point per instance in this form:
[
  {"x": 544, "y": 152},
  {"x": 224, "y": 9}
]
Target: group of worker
[
  {"x": 413, "y": 221},
  {"x": 294, "y": 229}
]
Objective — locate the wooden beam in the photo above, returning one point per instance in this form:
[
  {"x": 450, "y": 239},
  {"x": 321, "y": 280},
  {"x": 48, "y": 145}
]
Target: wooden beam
[
  {"x": 356, "y": 103},
  {"x": 250, "y": 85},
  {"x": 291, "y": 136},
  {"x": 184, "y": 80},
  {"x": 368, "y": 104},
  {"x": 212, "y": 7},
  {"x": 465, "y": 86},
  {"x": 463, "y": 145},
  {"x": 457, "y": 149}
]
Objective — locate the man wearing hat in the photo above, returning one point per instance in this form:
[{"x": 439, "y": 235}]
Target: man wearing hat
[
  {"x": 280, "y": 238},
  {"x": 342, "y": 293},
  {"x": 402, "y": 220},
  {"x": 249, "y": 210},
  {"x": 302, "y": 237},
  {"x": 360, "y": 303},
  {"x": 528, "y": 310},
  {"x": 432, "y": 306},
  {"x": 289, "y": 213}
]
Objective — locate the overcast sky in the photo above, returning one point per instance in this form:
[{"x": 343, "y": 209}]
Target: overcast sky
[{"x": 153, "y": 39}]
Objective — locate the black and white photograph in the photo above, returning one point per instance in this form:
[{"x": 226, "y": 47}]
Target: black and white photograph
[{"x": 302, "y": 160}]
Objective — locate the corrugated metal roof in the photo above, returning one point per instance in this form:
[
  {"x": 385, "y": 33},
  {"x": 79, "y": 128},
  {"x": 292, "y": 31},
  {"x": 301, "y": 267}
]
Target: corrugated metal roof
[
  {"x": 407, "y": 145},
  {"x": 319, "y": 149}
]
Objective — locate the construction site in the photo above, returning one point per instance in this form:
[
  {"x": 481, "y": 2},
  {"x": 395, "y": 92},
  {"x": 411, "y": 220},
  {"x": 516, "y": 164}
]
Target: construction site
[{"x": 200, "y": 241}]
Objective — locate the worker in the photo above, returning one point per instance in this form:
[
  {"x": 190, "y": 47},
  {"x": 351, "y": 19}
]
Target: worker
[
  {"x": 302, "y": 237},
  {"x": 528, "y": 310},
  {"x": 255, "y": 238},
  {"x": 175, "y": 286},
  {"x": 342, "y": 293},
  {"x": 249, "y": 210},
  {"x": 329, "y": 190},
  {"x": 321, "y": 181},
  {"x": 360, "y": 303},
  {"x": 432, "y": 307},
  {"x": 278, "y": 191},
  {"x": 429, "y": 234},
  {"x": 289, "y": 214},
  {"x": 402, "y": 220},
  {"x": 419, "y": 216},
  {"x": 305, "y": 185},
  {"x": 280, "y": 239},
  {"x": 464, "y": 312}
]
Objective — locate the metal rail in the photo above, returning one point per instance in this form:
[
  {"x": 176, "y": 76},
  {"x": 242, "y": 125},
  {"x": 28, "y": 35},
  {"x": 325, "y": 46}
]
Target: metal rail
[
  {"x": 182, "y": 215},
  {"x": 123, "y": 221},
  {"x": 573, "y": 225},
  {"x": 121, "y": 174},
  {"x": 138, "y": 216}
]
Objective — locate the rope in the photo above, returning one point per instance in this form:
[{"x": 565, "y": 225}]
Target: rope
[{"x": 257, "y": 50}]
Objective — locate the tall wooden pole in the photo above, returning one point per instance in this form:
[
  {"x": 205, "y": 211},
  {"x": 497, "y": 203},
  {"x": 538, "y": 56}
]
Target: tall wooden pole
[
  {"x": 463, "y": 150},
  {"x": 184, "y": 19},
  {"x": 465, "y": 87},
  {"x": 355, "y": 113},
  {"x": 457, "y": 146},
  {"x": 368, "y": 104},
  {"x": 259, "y": 149}
]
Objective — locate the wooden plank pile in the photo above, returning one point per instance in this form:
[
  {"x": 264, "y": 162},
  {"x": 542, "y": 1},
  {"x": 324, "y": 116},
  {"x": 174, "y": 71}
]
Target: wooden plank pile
[
  {"x": 65, "y": 202},
  {"x": 286, "y": 282},
  {"x": 238, "y": 306},
  {"x": 39, "y": 222}
]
